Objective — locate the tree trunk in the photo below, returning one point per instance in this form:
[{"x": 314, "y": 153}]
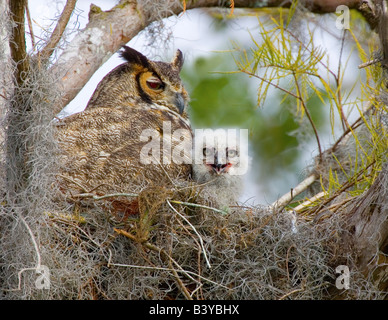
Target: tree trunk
[
  {"x": 16, "y": 147},
  {"x": 368, "y": 230}
]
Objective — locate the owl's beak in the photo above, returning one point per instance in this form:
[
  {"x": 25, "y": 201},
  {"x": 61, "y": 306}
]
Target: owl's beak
[
  {"x": 180, "y": 103},
  {"x": 220, "y": 168}
]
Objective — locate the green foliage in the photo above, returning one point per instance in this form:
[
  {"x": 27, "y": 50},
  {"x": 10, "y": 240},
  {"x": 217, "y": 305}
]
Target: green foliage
[
  {"x": 300, "y": 98},
  {"x": 278, "y": 135},
  {"x": 291, "y": 63},
  {"x": 218, "y": 100}
]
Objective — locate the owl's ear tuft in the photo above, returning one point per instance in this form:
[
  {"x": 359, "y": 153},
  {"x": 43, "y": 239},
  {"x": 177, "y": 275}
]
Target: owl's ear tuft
[
  {"x": 133, "y": 56},
  {"x": 177, "y": 61}
]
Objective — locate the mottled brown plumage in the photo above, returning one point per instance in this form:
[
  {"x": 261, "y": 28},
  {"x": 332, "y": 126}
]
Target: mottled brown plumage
[{"x": 101, "y": 146}]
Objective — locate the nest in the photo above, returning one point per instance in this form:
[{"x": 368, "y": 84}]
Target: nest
[
  {"x": 169, "y": 244},
  {"x": 166, "y": 241}
]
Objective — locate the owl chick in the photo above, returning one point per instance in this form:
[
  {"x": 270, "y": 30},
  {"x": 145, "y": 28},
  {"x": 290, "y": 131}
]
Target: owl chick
[
  {"x": 102, "y": 147},
  {"x": 220, "y": 161}
]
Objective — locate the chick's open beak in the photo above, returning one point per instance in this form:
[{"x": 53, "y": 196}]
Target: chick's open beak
[{"x": 220, "y": 168}]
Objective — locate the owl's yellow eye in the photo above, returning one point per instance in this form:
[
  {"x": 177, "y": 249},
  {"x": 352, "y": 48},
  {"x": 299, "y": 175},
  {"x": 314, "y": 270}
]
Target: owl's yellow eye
[{"x": 155, "y": 84}]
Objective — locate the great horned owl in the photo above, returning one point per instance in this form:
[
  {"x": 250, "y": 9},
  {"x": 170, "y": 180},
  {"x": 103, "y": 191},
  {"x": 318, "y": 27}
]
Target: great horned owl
[
  {"x": 101, "y": 147},
  {"x": 220, "y": 162}
]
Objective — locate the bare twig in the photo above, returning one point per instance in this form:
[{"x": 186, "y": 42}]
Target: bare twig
[
  {"x": 49, "y": 48},
  {"x": 196, "y": 232},
  {"x": 74, "y": 182},
  {"x": 69, "y": 222},
  {"x": 33, "y": 241},
  {"x": 112, "y": 195},
  {"x": 369, "y": 63},
  {"x": 303, "y": 288},
  {"x": 310, "y": 201},
  {"x": 171, "y": 260},
  {"x": 231, "y": 7},
  {"x": 345, "y": 123},
  {"x": 290, "y": 293},
  {"x": 296, "y": 96},
  {"x": 299, "y": 95},
  {"x": 285, "y": 199},
  {"x": 166, "y": 269},
  {"x": 269, "y": 82},
  {"x": 199, "y": 254},
  {"x": 199, "y": 206},
  {"x": 179, "y": 281},
  {"x": 346, "y": 135},
  {"x": 345, "y": 186},
  {"x": 320, "y": 61},
  {"x": 38, "y": 258},
  {"x": 30, "y": 27},
  {"x": 335, "y": 76}
]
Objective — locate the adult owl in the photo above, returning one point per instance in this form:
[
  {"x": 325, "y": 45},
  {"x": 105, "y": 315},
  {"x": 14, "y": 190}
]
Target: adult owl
[{"x": 106, "y": 147}]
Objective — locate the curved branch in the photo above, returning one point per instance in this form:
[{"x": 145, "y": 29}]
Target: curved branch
[
  {"x": 59, "y": 29},
  {"x": 91, "y": 47},
  {"x": 108, "y": 30}
]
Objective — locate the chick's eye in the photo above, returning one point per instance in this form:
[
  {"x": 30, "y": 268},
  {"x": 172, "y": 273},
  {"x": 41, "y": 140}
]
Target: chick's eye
[
  {"x": 231, "y": 153},
  {"x": 208, "y": 152},
  {"x": 154, "y": 83}
]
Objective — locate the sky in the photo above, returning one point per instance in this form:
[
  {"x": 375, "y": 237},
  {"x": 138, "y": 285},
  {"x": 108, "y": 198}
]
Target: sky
[{"x": 202, "y": 40}]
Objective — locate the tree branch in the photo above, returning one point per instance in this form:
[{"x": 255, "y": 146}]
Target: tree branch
[
  {"x": 308, "y": 115},
  {"x": 108, "y": 30},
  {"x": 287, "y": 198},
  {"x": 18, "y": 40},
  {"x": 32, "y": 36},
  {"x": 91, "y": 47},
  {"x": 59, "y": 29}
]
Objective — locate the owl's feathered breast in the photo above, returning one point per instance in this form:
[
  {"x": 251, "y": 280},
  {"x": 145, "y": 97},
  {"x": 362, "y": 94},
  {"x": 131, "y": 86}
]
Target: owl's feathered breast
[{"x": 101, "y": 148}]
